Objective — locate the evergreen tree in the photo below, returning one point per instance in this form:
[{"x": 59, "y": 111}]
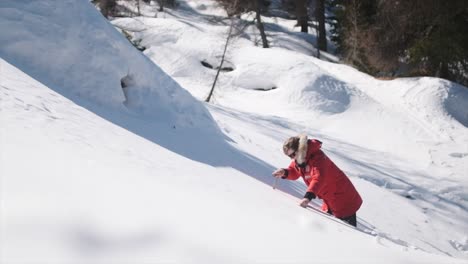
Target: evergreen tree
[
  {"x": 406, "y": 38},
  {"x": 320, "y": 16},
  {"x": 302, "y": 15},
  {"x": 349, "y": 29}
]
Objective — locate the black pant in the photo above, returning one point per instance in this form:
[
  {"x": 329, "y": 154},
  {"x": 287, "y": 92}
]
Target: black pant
[{"x": 350, "y": 220}]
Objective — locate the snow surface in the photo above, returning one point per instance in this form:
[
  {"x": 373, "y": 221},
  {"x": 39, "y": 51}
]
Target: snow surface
[{"x": 94, "y": 172}]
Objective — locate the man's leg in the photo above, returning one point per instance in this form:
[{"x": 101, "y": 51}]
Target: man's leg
[{"x": 350, "y": 220}]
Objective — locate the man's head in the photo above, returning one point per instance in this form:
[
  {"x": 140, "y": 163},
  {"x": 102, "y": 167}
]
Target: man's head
[{"x": 290, "y": 147}]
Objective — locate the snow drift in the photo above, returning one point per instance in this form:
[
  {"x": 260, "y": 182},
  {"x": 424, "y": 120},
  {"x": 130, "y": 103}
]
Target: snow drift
[{"x": 70, "y": 47}]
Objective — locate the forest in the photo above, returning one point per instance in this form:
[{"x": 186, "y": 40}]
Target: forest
[{"x": 385, "y": 38}]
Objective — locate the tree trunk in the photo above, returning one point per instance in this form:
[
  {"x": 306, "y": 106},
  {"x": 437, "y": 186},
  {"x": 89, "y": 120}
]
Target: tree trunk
[
  {"x": 222, "y": 61},
  {"x": 138, "y": 7},
  {"x": 161, "y": 5},
  {"x": 443, "y": 71},
  {"x": 352, "y": 36},
  {"x": 260, "y": 26},
  {"x": 320, "y": 15},
  {"x": 302, "y": 16}
]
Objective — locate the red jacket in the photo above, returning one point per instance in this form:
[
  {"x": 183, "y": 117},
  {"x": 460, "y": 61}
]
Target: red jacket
[{"x": 327, "y": 181}]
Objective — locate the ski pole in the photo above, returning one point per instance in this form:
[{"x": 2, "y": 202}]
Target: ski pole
[{"x": 276, "y": 183}]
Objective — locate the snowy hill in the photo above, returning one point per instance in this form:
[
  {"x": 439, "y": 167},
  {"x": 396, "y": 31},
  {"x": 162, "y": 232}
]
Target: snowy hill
[
  {"x": 62, "y": 45},
  {"x": 109, "y": 157}
]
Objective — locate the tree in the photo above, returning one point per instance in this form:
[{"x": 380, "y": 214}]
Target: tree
[
  {"x": 302, "y": 10},
  {"x": 161, "y": 5},
  {"x": 352, "y": 20},
  {"x": 138, "y": 7},
  {"x": 320, "y": 16},
  {"x": 404, "y": 38},
  {"x": 235, "y": 8},
  {"x": 440, "y": 43},
  {"x": 302, "y": 15},
  {"x": 238, "y": 7},
  {"x": 222, "y": 61},
  {"x": 260, "y": 26}
]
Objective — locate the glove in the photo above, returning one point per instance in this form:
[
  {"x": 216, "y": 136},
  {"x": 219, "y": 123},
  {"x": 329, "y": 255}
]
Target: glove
[{"x": 309, "y": 196}]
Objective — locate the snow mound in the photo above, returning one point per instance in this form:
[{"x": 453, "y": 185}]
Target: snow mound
[
  {"x": 303, "y": 82},
  {"x": 68, "y": 46},
  {"x": 326, "y": 94},
  {"x": 435, "y": 105},
  {"x": 455, "y": 102}
]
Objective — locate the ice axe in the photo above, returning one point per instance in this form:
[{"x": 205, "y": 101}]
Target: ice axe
[
  {"x": 275, "y": 174},
  {"x": 275, "y": 183}
]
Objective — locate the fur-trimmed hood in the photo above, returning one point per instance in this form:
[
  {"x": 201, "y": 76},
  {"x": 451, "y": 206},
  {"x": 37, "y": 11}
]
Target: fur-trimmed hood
[
  {"x": 306, "y": 148},
  {"x": 303, "y": 147},
  {"x": 301, "y": 154}
]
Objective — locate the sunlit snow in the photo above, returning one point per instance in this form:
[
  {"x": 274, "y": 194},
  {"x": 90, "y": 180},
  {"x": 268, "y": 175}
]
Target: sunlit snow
[{"x": 109, "y": 154}]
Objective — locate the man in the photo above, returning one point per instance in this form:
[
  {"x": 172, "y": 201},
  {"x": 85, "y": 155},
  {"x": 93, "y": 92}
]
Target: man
[{"x": 322, "y": 177}]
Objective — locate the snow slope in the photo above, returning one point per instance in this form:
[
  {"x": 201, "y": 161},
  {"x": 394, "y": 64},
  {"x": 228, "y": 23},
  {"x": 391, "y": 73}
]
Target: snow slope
[
  {"x": 78, "y": 188},
  {"x": 68, "y": 46},
  {"x": 91, "y": 172},
  {"x": 416, "y": 126}
]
